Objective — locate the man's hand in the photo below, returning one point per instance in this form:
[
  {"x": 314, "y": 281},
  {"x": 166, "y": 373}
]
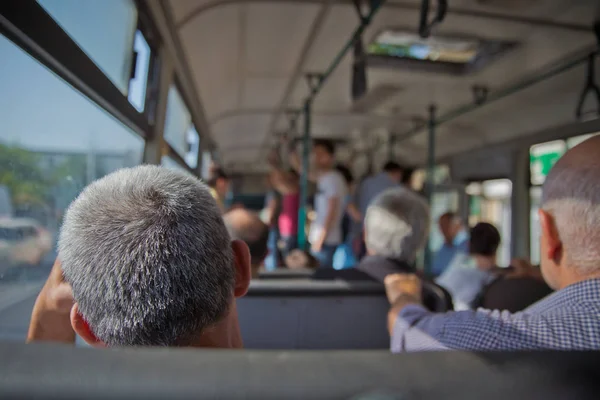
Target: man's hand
[
  {"x": 401, "y": 290},
  {"x": 402, "y": 285},
  {"x": 50, "y": 319},
  {"x": 317, "y": 245}
]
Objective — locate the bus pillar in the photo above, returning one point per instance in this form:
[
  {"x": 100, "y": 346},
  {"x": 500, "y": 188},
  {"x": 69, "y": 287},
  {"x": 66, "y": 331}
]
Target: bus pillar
[
  {"x": 430, "y": 183},
  {"x": 306, "y": 145}
]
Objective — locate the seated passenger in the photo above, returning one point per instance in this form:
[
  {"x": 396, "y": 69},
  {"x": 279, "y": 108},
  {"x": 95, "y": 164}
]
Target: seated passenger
[
  {"x": 395, "y": 230},
  {"x": 467, "y": 275},
  {"x": 150, "y": 263},
  {"x": 455, "y": 242},
  {"x": 568, "y": 319},
  {"x": 246, "y": 226},
  {"x": 300, "y": 259}
]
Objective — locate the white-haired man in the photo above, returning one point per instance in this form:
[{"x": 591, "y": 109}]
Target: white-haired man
[
  {"x": 146, "y": 261},
  {"x": 569, "y": 319},
  {"x": 395, "y": 229}
]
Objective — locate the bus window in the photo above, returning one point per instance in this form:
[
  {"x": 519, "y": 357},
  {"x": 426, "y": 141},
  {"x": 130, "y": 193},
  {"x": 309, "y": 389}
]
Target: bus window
[
  {"x": 53, "y": 142},
  {"x": 180, "y": 132},
  {"x": 139, "y": 82},
  {"x": 87, "y": 21}
]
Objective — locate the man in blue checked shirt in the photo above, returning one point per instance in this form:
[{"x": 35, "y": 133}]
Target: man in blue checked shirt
[{"x": 569, "y": 319}]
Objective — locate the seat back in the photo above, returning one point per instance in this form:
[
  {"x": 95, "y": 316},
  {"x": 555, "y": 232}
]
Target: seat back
[
  {"x": 513, "y": 294},
  {"x": 286, "y": 273},
  {"x": 304, "y": 314}
]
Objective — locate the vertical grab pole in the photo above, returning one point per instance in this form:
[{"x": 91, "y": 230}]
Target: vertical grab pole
[
  {"x": 430, "y": 179},
  {"x": 302, "y": 241},
  {"x": 392, "y": 147}
]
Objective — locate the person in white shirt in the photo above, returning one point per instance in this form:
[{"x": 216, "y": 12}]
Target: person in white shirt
[
  {"x": 326, "y": 230},
  {"x": 469, "y": 273}
]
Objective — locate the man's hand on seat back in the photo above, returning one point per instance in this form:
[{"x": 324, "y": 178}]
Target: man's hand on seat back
[
  {"x": 401, "y": 290},
  {"x": 402, "y": 285}
]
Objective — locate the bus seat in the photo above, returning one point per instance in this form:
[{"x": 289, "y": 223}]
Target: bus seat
[
  {"x": 305, "y": 314},
  {"x": 309, "y": 314},
  {"x": 286, "y": 273},
  {"x": 513, "y": 294},
  {"x": 51, "y": 371}
]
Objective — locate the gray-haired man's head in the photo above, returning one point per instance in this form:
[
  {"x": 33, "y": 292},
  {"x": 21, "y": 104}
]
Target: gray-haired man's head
[
  {"x": 397, "y": 224},
  {"x": 148, "y": 257},
  {"x": 570, "y": 216}
]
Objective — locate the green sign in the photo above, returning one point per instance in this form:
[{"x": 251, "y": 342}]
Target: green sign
[{"x": 542, "y": 157}]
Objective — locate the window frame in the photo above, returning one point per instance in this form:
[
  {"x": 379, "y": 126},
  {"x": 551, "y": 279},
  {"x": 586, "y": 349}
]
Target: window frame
[{"x": 27, "y": 24}]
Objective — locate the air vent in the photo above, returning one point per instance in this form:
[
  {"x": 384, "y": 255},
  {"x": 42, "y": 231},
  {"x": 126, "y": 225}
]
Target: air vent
[{"x": 376, "y": 97}]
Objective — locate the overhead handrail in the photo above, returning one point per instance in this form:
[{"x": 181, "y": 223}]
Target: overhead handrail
[
  {"x": 425, "y": 27},
  {"x": 590, "y": 82},
  {"x": 590, "y": 87},
  {"x": 365, "y": 20},
  {"x": 502, "y": 93}
]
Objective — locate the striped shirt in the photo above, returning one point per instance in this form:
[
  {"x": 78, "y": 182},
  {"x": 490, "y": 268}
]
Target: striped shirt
[{"x": 568, "y": 319}]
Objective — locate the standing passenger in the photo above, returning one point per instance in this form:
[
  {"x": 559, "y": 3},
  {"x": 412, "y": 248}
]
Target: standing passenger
[
  {"x": 288, "y": 186},
  {"x": 272, "y": 209},
  {"x": 326, "y": 231},
  {"x": 219, "y": 187},
  {"x": 344, "y": 255}
]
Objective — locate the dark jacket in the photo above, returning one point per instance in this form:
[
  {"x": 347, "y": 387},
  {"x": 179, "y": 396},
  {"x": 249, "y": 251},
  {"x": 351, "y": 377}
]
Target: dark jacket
[
  {"x": 370, "y": 268},
  {"x": 376, "y": 268}
]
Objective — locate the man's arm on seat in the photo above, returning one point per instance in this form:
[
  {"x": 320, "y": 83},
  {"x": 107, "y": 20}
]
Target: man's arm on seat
[
  {"x": 50, "y": 319},
  {"x": 414, "y": 328}
]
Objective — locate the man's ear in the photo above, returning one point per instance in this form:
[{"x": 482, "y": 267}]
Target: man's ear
[
  {"x": 82, "y": 328},
  {"x": 549, "y": 236},
  {"x": 243, "y": 271}
]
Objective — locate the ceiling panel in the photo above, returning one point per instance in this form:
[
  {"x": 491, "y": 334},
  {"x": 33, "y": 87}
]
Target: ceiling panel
[
  {"x": 215, "y": 58},
  {"x": 275, "y": 35},
  {"x": 243, "y": 54}
]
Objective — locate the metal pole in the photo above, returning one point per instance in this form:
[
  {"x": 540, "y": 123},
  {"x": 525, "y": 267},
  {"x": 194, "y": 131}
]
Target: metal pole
[
  {"x": 500, "y": 94},
  {"x": 302, "y": 213},
  {"x": 392, "y": 147},
  {"x": 365, "y": 21},
  {"x": 430, "y": 179}
]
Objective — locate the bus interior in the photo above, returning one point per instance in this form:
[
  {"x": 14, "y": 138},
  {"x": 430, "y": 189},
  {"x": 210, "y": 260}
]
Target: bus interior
[{"x": 476, "y": 98}]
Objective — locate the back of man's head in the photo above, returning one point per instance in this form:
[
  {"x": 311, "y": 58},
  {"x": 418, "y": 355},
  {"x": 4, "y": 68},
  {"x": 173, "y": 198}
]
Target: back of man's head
[
  {"x": 246, "y": 226},
  {"x": 148, "y": 257},
  {"x": 484, "y": 240},
  {"x": 571, "y": 197},
  {"x": 397, "y": 224}
]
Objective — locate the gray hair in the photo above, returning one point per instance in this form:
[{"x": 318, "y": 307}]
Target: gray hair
[
  {"x": 571, "y": 194},
  {"x": 397, "y": 224},
  {"x": 148, "y": 257}
]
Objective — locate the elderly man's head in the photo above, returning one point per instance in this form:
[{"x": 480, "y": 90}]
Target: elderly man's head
[
  {"x": 150, "y": 261},
  {"x": 396, "y": 225},
  {"x": 246, "y": 226},
  {"x": 570, "y": 217}
]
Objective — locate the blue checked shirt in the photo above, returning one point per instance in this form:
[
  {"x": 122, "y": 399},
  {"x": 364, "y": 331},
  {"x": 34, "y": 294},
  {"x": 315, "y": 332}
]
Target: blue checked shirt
[{"x": 568, "y": 319}]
